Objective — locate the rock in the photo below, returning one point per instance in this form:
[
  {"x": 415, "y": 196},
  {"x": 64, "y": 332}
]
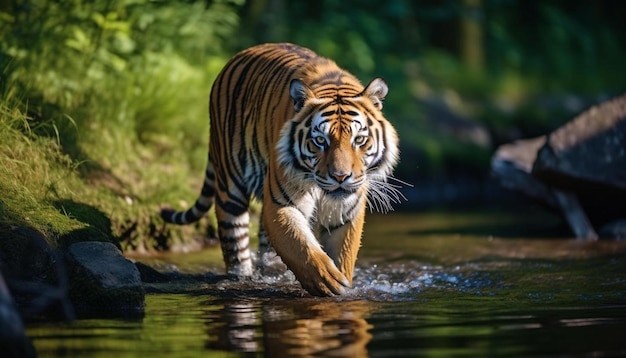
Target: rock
[
  {"x": 103, "y": 281},
  {"x": 512, "y": 165},
  {"x": 27, "y": 255},
  {"x": 13, "y": 339},
  {"x": 591, "y": 148},
  {"x": 88, "y": 277},
  {"x": 587, "y": 157},
  {"x": 35, "y": 274},
  {"x": 150, "y": 275},
  {"x": 580, "y": 168}
]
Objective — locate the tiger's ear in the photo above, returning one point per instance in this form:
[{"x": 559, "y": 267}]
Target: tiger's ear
[
  {"x": 376, "y": 91},
  {"x": 299, "y": 92}
]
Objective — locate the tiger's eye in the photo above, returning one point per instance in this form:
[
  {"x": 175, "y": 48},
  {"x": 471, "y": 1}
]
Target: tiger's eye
[
  {"x": 360, "y": 140},
  {"x": 320, "y": 140}
]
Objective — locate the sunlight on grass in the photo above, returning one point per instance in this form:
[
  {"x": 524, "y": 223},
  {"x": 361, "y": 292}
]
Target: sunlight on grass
[{"x": 100, "y": 137}]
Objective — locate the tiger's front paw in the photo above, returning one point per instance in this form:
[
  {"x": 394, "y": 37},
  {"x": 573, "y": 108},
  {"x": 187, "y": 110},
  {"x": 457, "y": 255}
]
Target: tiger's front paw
[{"x": 320, "y": 277}]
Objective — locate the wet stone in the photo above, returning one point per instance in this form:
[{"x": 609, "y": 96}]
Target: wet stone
[
  {"x": 591, "y": 148},
  {"x": 587, "y": 158},
  {"x": 13, "y": 339},
  {"x": 580, "y": 168},
  {"x": 512, "y": 165},
  {"x": 103, "y": 281}
]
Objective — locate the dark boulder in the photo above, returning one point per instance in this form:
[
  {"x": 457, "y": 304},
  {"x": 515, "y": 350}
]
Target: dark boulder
[
  {"x": 580, "y": 168},
  {"x": 103, "y": 281},
  {"x": 13, "y": 339},
  {"x": 92, "y": 278},
  {"x": 35, "y": 274},
  {"x": 512, "y": 164},
  {"x": 591, "y": 149}
]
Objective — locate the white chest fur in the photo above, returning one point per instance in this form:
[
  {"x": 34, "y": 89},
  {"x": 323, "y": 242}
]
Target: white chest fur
[{"x": 331, "y": 211}]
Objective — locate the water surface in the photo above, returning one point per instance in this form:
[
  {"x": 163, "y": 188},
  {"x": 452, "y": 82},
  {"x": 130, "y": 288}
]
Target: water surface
[{"x": 446, "y": 284}]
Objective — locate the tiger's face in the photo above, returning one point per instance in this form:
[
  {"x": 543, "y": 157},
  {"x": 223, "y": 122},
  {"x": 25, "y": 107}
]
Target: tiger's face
[
  {"x": 336, "y": 149},
  {"x": 341, "y": 143}
]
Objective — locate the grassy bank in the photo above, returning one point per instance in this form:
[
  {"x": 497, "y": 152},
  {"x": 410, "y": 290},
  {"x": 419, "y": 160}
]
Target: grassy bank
[
  {"x": 111, "y": 194},
  {"x": 104, "y": 117}
]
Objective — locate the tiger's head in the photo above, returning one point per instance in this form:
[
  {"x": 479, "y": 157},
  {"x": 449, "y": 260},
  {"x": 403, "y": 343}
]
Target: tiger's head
[{"x": 339, "y": 139}]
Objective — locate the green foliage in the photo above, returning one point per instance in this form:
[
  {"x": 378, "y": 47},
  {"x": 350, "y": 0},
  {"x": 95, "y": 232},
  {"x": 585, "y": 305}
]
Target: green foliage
[
  {"x": 110, "y": 96},
  {"x": 573, "y": 47},
  {"x": 523, "y": 51},
  {"x": 116, "y": 65}
]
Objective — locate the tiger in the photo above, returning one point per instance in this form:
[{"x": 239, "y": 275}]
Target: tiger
[{"x": 293, "y": 130}]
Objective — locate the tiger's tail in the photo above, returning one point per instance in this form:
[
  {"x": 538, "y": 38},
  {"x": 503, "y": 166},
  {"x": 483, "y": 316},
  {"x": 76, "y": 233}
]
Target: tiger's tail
[{"x": 201, "y": 206}]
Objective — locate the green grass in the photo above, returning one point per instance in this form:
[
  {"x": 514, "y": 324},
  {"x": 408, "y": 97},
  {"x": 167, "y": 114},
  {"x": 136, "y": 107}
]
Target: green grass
[
  {"x": 77, "y": 177},
  {"x": 33, "y": 175}
]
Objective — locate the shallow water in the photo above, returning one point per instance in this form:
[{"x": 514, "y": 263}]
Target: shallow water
[{"x": 436, "y": 284}]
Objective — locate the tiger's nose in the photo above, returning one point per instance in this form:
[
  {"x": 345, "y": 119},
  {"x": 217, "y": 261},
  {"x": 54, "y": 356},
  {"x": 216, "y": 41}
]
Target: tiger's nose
[{"x": 340, "y": 177}]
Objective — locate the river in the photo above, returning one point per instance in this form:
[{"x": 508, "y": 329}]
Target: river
[{"x": 450, "y": 283}]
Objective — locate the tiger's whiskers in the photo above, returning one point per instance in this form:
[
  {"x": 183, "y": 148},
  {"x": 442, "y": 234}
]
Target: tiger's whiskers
[{"x": 382, "y": 194}]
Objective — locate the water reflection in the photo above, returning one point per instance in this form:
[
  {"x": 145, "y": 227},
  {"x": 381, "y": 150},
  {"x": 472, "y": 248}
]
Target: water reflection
[
  {"x": 290, "y": 327},
  {"x": 234, "y": 327},
  {"x": 419, "y": 290}
]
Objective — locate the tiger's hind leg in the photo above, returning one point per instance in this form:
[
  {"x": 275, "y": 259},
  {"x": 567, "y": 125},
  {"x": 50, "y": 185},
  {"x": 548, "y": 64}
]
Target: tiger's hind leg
[{"x": 234, "y": 234}]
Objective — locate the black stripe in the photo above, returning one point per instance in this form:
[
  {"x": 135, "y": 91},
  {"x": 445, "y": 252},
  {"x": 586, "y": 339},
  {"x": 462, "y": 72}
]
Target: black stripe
[
  {"x": 292, "y": 144},
  {"x": 177, "y": 217},
  {"x": 233, "y": 240},
  {"x": 190, "y": 217},
  {"x": 231, "y": 225},
  {"x": 308, "y": 122},
  {"x": 201, "y": 207},
  {"x": 230, "y": 207},
  {"x": 209, "y": 174},
  {"x": 207, "y": 190},
  {"x": 324, "y": 106},
  {"x": 277, "y": 200},
  {"x": 283, "y": 199},
  {"x": 222, "y": 180},
  {"x": 383, "y": 135}
]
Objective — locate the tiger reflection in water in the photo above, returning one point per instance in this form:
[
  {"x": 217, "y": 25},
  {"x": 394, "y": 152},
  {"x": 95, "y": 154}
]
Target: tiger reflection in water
[{"x": 293, "y": 328}]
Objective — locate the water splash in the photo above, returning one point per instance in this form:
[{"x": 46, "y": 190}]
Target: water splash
[
  {"x": 397, "y": 281},
  {"x": 379, "y": 282},
  {"x": 392, "y": 281}
]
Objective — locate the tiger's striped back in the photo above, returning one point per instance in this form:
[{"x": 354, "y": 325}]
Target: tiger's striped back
[{"x": 266, "y": 107}]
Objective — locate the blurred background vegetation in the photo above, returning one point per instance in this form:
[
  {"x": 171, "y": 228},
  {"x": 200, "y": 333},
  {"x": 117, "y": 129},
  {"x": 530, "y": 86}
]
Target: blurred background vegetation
[{"x": 119, "y": 88}]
